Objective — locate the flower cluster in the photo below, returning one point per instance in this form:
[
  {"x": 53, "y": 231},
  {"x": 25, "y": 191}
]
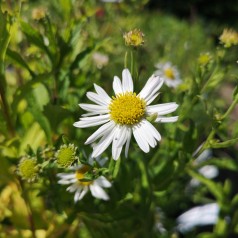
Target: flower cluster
[
  {"x": 134, "y": 38},
  {"x": 229, "y": 37}
]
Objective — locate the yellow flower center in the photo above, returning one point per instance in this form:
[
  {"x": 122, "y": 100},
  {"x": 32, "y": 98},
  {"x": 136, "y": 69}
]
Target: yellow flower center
[
  {"x": 204, "y": 59},
  {"x": 169, "y": 73},
  {"x": 127, "y": 108},
  {"x": 80, "y": 175},
  {"x": 66, "y": 155},
  {"x": 28, "y": 169}
]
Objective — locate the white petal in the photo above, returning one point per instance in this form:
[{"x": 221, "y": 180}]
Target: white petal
[
  {"x": 92, "y": 121},
  {"x": 127, "y": 83},
  {"x": 63, "y": 181},
  {"x": 66, "y": 175},
  {"x": 100, "y": 91},
  {"x": 101, "y": 131},
  {"x": 120, "y": 136},
  {"x": 166, "y": 119},
  {"x": 129, "y": 132},
  {"x": 147, "y": 135},
  {"x": 117, "y": 86},
  {"x": 98, "y": 109},
  {"x": 85, "y": 190},
  {"x": 98, "y": 192},
  {"x": 139, "y": 137},
  {"x": 102, "y": 182},
  {"x": 102, "y": 145},
  {"x": 162, "y": 109},
  {"x": 98, "y": 99},
  {"x": 73, "y": 188},
  {"x": 153, "y": 84},
  {"x": 116, "y": 152},
  {"x": 78, "y": 194},
  {"x": 151, "y": 98},
  {"x": 153, "y": 131}
]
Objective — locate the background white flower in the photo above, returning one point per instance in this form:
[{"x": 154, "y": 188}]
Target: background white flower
[
  {"x": 198, "y": 216},
  {"x": 125, "y": 114},
  {"x": 169, "y": 73},
  {"x": 82, "y": 187}
]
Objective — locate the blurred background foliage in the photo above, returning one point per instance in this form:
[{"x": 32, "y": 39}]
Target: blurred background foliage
[{"x": 52, "y": 52}]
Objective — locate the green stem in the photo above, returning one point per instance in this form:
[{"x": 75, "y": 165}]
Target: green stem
[
  {"x": 125, "y": 60},
  {"x": 132, "y": 63},
  {"x": 230, "y": 109}
]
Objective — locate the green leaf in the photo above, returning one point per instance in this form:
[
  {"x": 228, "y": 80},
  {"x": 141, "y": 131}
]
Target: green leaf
[
  {"x": 4, "y": 38},
  {"x": 33, "y": 137},
  {"x": 234, "y": 201},
  {"x": 215, "y": 188},
  {"x": 56, "y": 115},
  {"x": 4, "y": 41},
  {"x": 34, "y": 37},
  {"x": 27, "y": 88},
  {"x": 224, "y": 144},
  {"x": 35, "y": 108},
  {"x": 80, "y": 57},
  {"x": 13, "y": 55},
  {"x": 36, "y": 97},
  {"x": 207, "y": 235}
]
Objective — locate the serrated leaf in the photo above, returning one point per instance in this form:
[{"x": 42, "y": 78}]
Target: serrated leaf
[{"x": 14, "y": 56}]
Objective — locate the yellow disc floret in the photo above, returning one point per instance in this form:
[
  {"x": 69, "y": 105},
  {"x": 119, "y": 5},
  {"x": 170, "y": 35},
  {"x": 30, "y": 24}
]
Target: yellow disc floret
[
  {"x": 28, "y": 169},
  {"x": 127, "y": 108},
  {"x": 66, "y": 155},
  {"x": 80, "y": 173},
  {"x": 169, "y": 73}
]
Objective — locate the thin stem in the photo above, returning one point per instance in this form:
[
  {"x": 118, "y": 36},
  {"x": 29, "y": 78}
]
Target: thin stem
[
  {"x": 125, "y": 60},
  {"x": 132, "y": 63},
  {"x": 230, "y": 109}
]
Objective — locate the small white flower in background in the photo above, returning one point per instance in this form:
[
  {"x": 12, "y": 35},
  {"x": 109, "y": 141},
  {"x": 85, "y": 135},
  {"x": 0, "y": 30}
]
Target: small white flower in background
[
  {"x": 198, "y": 216},
  {"x": 208, "y": 171},
  {"x": 125, "y": 114},
  {"x": 80, "y": 187},
  {"x": 100, "y": 59},
  {"x": 169, "y": 73}
]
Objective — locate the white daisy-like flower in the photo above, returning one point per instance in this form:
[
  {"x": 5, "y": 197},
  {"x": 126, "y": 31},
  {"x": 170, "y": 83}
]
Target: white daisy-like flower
[
  {"x": 169, "y": 73},
  {"x": 80, "y": 186},
  {"x": 125, "y": 114}
]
